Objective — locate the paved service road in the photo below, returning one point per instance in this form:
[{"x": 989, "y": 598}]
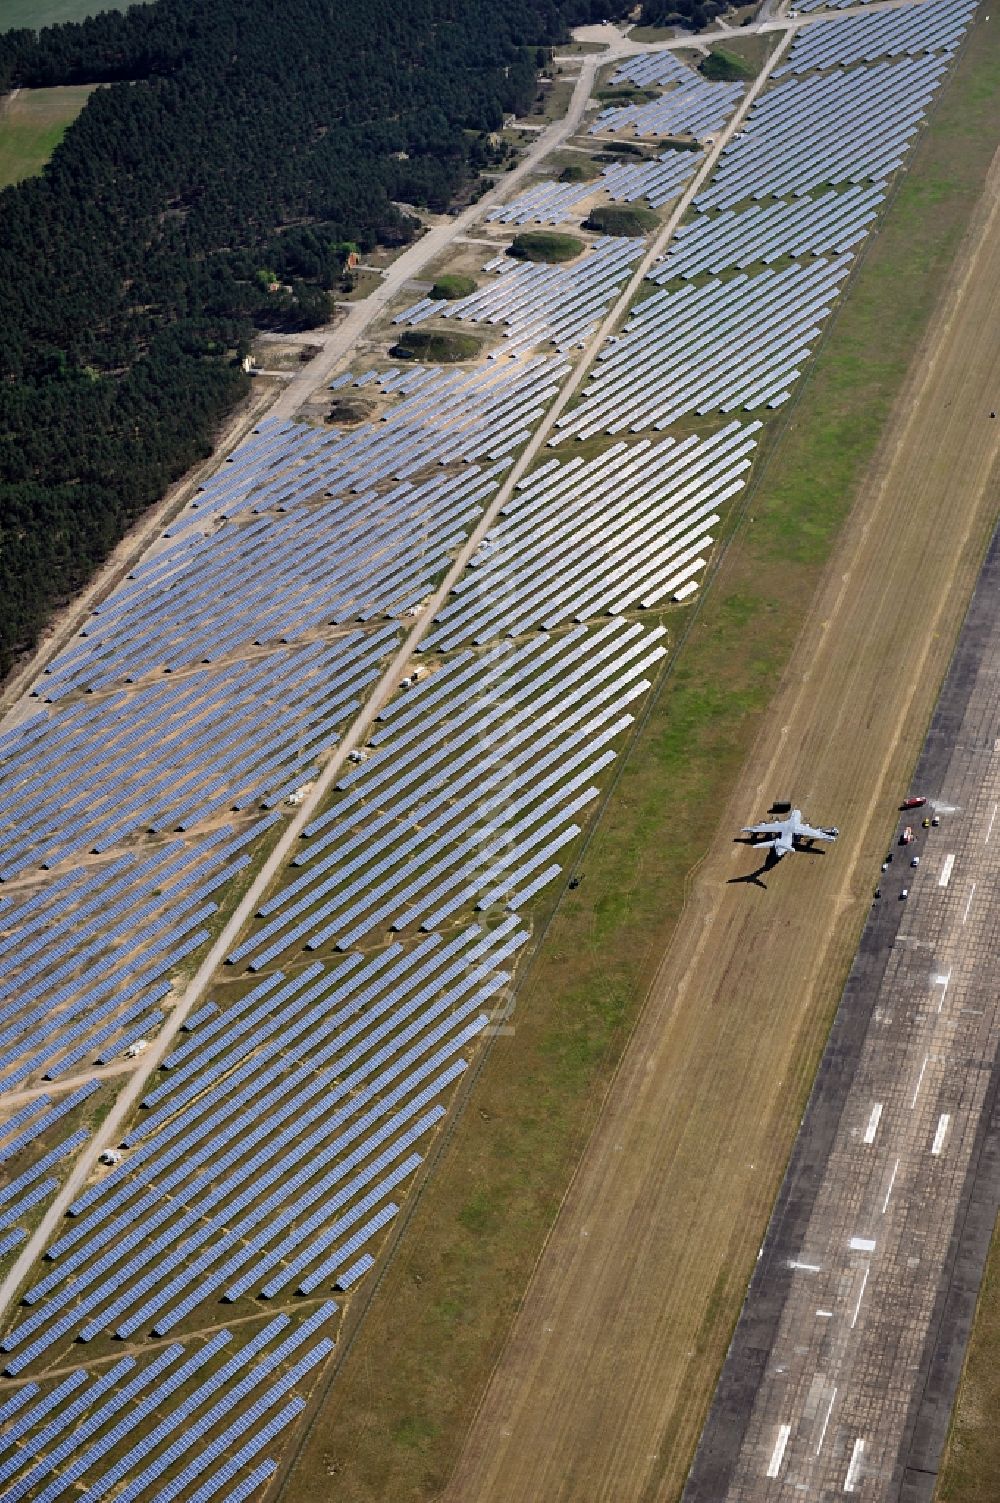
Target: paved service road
[{"x": 825, "y": 1393}]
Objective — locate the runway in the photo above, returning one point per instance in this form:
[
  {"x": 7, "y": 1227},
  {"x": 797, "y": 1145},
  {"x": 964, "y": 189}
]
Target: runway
[{"x": 843, "y": 1369}]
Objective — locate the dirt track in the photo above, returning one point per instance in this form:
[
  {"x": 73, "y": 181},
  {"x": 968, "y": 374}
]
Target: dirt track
[{"x": 602, "y": 1388}]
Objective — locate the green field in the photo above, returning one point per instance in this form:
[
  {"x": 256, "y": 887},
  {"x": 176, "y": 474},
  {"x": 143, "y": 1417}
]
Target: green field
[
  {"x": 972, "y": 1457},
  {"x": 32, "y": 123},
  {"x": 407, "y": 1388},
  {"x": 39, "y": 13},
  {"x": 541, "y": 245}
]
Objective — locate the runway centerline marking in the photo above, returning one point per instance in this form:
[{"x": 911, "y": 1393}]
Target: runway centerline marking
[
  {"x": 968, "y": 902},
  {"x": 946, "y": 869},
  {"x": 916, "y": 1089},
  {"x": 861, "y": 1295},
  {"x": 829, "y": 1411},
  {"x": 855, "y": 1466},
  {"x": 892, "y": 1181},
  {"x": 873, "y": 1122},
  {"x": 989, "y": 828},
  {"x": 943, "y": 982},
  {"x": 942, "y": 1130},
  {"x": 774, "y": 1465}
]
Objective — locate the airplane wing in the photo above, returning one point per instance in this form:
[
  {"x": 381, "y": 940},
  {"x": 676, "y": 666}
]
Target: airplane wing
[
  {"x": 779, "y": 845},
  {"x": 773, "y": 829},
  {"x": 811, "y": 833}
]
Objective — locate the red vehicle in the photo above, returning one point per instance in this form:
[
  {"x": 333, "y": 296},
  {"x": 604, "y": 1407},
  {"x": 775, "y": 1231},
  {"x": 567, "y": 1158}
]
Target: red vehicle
[{"x": 913, "y": 803}]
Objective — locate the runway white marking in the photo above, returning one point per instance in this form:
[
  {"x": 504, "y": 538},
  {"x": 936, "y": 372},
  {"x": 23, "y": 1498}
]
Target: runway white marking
[
  {"x": 892, "y": 1181},
  {"x": 968, "y": 902},
  {"x": 829, "y": 1411},
  {"x": 942, "y": 1129},
  {"x": 774, "y": 1465},
  {"x": 861, "y": 1295},
  {"x": 873, "y": 1122},
  {"x": 862, "y": 1244},
  {"x": 825, "y": 1314},
  {"x": 920, "y": 1077},
  {"x": 946, "y": 870},
  {"x": 855, "y": 1466},
  {"x": 806, "y": 1267},
  {"x": 989, "y": 829},
  {"x": 942, "y": 981}
]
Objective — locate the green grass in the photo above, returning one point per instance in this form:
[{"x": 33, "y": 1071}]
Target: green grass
[
  {"x": 538, "y": 245},
  {"x": 724, "y": 65},
  {"x": 452, "y": 285},
  {"x": 972, "y": 1456},
  {"x": 443, "y": 346},
  {"x": 651, "y": 33},
  {"x": 39, "y": 13},
  {"x": 450, "y": 1294},
  {"x": 625, "y": 94},
  {"x": 748, "y": 54},
  {"x": 623, "y": 149},
  {"x": 32, "y": 123},
  {"x": 622, "y": 219}
]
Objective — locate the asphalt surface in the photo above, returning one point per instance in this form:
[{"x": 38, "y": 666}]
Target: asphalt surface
[{"x": 844, "y": 1366}]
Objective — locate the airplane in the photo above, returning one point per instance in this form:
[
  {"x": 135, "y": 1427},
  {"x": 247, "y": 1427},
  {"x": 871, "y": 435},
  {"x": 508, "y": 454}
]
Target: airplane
[{"x": 786, "y": 832}]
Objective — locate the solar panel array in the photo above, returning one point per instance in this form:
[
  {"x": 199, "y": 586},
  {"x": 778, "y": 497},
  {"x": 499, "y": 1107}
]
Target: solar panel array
[
  {"x": 832, "y": 222},
  {"x": 174, "y": 753},
  {"x": 173, "y": 1412},
  {"x": 471, "y": 792},
  {"x": 86, "y": 960},
  {"x": 581, "y": 539},
  {"x": 928, "y": 26},
  {"x": 32, "y": 1182},
  {"x": 545, "y": 203},
  {"x": 348, "y": 532},
  {"x": 694, "y": 108},
  {"x": 272, "y": 1144},
  {"x": 871, "y": 115},
  {"x": 656, "y": 180},
  {"x": 278, "y": 1139},
  {"x": 651, "y": 69},
  {"x": 540, "y": 303},
  {"x": 714, "y": 347}
]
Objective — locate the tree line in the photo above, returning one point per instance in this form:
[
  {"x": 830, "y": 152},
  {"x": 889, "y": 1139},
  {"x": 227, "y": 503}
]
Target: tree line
[{"x": 237, "y": 144}]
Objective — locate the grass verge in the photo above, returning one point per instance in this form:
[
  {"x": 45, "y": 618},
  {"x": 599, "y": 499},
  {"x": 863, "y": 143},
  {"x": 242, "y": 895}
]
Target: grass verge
[
  {"x": 972, "y": 1458},
  {"x": 409, "y": 1383}
]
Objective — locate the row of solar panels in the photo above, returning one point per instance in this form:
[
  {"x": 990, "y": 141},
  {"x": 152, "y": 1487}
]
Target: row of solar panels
[
  {"x": 536, "y": 302},
  {"x": 707, "y": 348}
]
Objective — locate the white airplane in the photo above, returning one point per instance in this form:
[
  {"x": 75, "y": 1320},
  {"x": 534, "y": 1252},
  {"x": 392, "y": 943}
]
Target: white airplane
[{"x": 785, "y": 832}]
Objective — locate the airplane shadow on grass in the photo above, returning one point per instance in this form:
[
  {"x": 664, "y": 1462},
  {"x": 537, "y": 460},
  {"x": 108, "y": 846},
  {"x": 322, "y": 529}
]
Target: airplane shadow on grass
[{"x": 755, "y": 878}]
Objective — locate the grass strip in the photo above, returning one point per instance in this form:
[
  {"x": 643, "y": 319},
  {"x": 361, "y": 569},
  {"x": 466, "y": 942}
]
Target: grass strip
[{"x": 971, "y": 1463}]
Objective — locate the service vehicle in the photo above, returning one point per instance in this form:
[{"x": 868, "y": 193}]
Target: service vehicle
[{"x": 906, "y": 836}]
